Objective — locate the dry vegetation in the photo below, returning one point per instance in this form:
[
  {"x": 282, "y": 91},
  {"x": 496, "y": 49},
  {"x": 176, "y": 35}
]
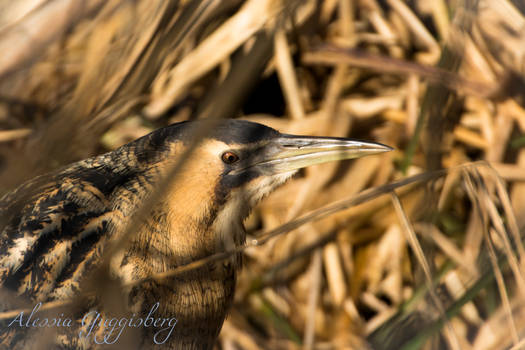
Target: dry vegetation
[{"x": 430, "y": 257}]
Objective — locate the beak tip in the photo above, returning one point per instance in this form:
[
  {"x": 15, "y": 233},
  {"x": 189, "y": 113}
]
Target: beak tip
[
  {"x": 387, "y": 148},
  {"x": 377, "y": 147}
]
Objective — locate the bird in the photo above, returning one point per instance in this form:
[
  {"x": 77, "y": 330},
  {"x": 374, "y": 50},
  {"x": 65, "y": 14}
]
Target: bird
[{"x": 56, "y": 228}]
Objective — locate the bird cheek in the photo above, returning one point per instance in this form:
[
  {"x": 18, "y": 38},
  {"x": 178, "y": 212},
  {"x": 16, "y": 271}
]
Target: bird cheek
[{"x": 261, "y": 186}]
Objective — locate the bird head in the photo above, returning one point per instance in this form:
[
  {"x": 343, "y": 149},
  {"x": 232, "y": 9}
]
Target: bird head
[
  {"x": 256, "y": 159},
  {"x": 239, "y": 162}
]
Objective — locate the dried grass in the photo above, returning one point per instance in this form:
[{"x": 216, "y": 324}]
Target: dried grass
[{"x": 329, "y": 264}]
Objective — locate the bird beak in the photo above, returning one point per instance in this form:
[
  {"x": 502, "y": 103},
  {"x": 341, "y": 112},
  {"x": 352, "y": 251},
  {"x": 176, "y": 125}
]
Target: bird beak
[{"x": 291, "y": 152}]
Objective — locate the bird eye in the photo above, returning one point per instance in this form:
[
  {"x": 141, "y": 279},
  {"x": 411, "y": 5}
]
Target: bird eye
[{"x": 229, "y": 157}]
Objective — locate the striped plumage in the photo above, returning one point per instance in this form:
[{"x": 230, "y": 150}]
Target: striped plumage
[{"x": 55, "y": 228}]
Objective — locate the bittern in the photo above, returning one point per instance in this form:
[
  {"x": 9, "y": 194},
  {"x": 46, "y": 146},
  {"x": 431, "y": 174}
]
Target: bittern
[{"x": 56, "y": 227}]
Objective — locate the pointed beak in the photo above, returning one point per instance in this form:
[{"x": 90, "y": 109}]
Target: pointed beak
[{"x": 291, "y": 152}]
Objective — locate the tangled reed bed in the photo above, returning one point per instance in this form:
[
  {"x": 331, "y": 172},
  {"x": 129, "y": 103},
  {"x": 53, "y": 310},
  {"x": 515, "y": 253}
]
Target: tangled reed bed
[{"x": 431, "y": 258}]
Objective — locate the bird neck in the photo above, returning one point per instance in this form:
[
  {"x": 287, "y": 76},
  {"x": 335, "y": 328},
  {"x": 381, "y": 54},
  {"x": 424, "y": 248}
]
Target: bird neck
[
  {"x": 181, "y": 228},
  {"x": 198, "y": 299}
]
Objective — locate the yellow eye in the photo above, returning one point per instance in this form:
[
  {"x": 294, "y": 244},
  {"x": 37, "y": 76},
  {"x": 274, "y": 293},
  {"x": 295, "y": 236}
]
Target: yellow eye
[{"x": 229, "y": 157}]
